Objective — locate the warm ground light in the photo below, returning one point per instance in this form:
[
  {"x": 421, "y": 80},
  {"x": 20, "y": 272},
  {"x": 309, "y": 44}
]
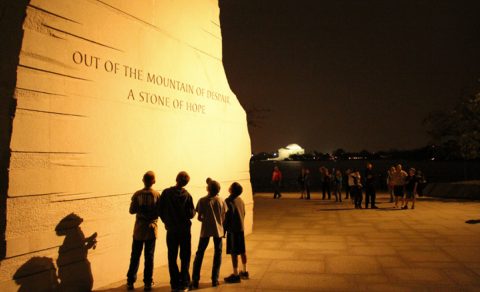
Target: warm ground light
[{"x": 326, "y": 246}]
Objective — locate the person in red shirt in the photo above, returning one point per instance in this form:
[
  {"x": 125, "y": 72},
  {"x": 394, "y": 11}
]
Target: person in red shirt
[{"x": 276, "y": 181}]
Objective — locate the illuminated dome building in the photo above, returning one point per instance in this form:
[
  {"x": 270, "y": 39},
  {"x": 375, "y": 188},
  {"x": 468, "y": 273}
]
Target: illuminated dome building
[{"x": 291, "y": 149}]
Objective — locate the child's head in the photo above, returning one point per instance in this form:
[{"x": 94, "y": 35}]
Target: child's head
[
  {"x": 235, "y": 189},
  {"x": 149, "y": 178},
  {"x": 208, "y": 181},
  {"x": 213, "y": 188},
  {"x": 182, "y": 178}
]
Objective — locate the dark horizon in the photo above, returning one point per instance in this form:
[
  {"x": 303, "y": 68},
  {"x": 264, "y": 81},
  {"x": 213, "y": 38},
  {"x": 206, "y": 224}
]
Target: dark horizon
[{"x": 349, "y": 74}]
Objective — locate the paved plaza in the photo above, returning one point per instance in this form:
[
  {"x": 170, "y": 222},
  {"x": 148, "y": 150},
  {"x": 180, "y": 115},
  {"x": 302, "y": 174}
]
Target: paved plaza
[{"x": 321, "y": 245}]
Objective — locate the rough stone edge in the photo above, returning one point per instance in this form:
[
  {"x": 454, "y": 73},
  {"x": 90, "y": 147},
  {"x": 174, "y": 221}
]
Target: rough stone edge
[{"x": 12, "y": 16}]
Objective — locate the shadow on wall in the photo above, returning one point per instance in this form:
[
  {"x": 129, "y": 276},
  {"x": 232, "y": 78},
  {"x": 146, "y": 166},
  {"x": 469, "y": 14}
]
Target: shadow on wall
[
  {"x": 38, "y": 273},
  {"x": 72, "y": 271},
  {"x": 473, "y": 221},
  {"x": 12, "y": 15}
]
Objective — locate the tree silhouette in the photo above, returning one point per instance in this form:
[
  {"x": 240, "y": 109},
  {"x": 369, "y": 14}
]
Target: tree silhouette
[{"x": 458, "y": 130}]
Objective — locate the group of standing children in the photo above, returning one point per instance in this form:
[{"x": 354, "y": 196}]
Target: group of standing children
[{"x": 175, "y": 208}]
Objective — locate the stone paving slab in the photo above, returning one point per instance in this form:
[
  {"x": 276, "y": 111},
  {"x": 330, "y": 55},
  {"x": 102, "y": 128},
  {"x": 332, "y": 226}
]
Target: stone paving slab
[{"x": 317, "y": 245}]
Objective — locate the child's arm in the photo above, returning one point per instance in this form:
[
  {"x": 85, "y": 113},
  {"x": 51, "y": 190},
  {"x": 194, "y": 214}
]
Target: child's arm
[
  {"x": 243, "y": 204},
  {"x": 224, "y": 210},
  {"x": 134, "y": 205},
  {"x": 190, "y": 208},
  {"x": 199, "y": 211},
  {"x": 160, "y": 204}
]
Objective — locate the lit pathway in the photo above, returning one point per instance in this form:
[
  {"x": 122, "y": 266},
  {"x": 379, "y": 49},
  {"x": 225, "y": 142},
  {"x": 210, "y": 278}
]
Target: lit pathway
[{"x": 326, "y": 246}]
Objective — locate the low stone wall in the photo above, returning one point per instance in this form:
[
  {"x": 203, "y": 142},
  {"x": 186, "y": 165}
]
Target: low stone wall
[{"x": 459, "y": 190}]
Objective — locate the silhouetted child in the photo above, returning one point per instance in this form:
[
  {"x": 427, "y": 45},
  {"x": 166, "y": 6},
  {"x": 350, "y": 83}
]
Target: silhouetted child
[
  {"x": 211, "y": 211},
  {"x": 145, "y": 204},
  {"x": 235, "y": 233},
  {"x": 176, "y": 212}
]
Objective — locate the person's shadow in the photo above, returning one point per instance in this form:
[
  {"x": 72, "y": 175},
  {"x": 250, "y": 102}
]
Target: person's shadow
[
  {"x": 37, "y": 274},
  {"x": 74, "y": 270}
]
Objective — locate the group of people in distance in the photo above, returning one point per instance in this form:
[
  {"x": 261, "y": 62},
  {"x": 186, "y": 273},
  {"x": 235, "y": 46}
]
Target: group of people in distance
[
  {"x": 174, "y": 206},
  {"x": 402, "y": 186}
]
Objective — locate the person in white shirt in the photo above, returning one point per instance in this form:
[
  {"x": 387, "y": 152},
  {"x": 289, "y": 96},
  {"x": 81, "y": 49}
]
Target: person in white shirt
[
  {"x": 398, "y": 181},
  {"x": 354, "y": 182},
  {"x": 211, "y": 211}
]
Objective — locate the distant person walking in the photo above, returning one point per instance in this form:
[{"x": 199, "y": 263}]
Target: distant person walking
[
  {"x": 347, "y": 184},
  {"x": 337, "y": 185},
  {"x": 398, "y": 181},
  {"x": 325, "y": 179},
  {"x": 234, "y": 226},
  {"x": 145, "y": 204},
  {"x": 301, "y": 183},
  {"x": 411, "y": 185},
  {"x": 276, "y": 182},
  {"x": 176, "y": 212},
  {"x": 370, "y": 193},
  {"x": 356, "y": 188},
  {"x": 390, "y": 172},
  {"x": 306, "y": 183},
  {"x": 211, "y": 211}
]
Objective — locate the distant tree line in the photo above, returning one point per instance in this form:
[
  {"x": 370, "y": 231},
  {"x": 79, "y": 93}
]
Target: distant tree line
[{"x": 431, "y": 152}]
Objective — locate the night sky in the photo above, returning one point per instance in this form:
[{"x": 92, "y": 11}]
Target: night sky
[{"x": 351, "y": 74}]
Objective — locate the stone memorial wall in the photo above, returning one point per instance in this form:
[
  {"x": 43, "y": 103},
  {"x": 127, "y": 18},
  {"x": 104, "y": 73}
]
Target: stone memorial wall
[{"x": 93, "y": 94}]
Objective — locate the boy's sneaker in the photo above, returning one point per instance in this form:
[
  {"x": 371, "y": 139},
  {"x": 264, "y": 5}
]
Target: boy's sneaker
[
  {"x": 232, "y": 279},
  {"x": 215, "y": 283},
  {"x": 193, "y": 285},
  {"x": 243, "y": 275},
  {"x": 130, "y": 286},
  {"x": 148, "y": 287}
]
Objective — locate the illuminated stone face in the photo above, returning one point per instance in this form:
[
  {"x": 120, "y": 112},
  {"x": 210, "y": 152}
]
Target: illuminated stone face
[{"x": 105, "y": 91}]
